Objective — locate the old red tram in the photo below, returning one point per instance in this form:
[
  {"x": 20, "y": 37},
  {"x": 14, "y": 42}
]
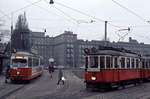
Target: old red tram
[
  {"x": 25, "y": 66},
  {"x": 113, "y": 67}
]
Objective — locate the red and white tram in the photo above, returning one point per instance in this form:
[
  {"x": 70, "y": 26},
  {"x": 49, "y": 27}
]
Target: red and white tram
[
  {"x": 112, "y": 67},
  {"x": 145, "y": 65},
  {"x": 25, "y": 66}
]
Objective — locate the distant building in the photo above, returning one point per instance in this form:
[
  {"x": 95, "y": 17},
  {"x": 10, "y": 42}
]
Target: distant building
[
  {"x": 67, "y": 50},
  {"x": 43, "y": 44},
  {"x": 133, "y": 45}
]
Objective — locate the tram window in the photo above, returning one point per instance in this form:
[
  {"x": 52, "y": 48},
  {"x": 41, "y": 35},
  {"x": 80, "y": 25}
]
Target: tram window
[
  {"x": 122, "y": 62},
  {"x": 108, "y": 59},
  {"x": 116, "y": 62},
  {"x": 86, "y": 62},
  {"x": 137, "y": 63},
  {"x": 30, "y": 62},
  {"x": 94, "y": 61},
  {"x": 111, "y": 62},
  {"x": 102, "y": 62},
  {"x": 143, "y": 64},
  {"x": 19, "y": 62},
  {"x": 133, "y": 63},
  {"x": 128, "y": 62},
  {"x": 35, "y": 62},
  {"x": 146, "y": 63}
]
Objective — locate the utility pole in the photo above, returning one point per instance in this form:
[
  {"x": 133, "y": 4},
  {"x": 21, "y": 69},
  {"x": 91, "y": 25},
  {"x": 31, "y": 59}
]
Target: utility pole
[
  {"x": 105, "y": 31},
  {"x": 105, "y": 42}
]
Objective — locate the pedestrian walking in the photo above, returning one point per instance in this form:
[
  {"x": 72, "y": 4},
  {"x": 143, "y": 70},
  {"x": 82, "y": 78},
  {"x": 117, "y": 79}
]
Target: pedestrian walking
[
  {"x": 60, "y": 77},
  {"x": 50, "y": 71},
  {"x": 7, "y": 74}
]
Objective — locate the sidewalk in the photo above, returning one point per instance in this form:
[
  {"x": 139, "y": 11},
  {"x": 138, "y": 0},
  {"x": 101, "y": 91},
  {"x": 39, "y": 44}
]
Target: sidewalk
[{"x": 2, "y": 79}]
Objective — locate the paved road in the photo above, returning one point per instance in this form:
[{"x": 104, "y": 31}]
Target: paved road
[{"x": 46, "y": 88}]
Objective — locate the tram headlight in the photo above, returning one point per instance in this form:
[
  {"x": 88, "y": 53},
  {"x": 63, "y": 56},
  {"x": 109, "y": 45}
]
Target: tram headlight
[
  {"x": 93, "y": 78},
  {"x": 18, "y": 73}
]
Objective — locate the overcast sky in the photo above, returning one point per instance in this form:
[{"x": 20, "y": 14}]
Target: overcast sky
[{"x": 56, "y": 18}]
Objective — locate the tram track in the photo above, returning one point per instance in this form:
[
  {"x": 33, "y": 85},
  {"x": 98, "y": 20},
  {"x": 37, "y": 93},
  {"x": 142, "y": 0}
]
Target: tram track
[
  {"x": 74, "y": 88},
  {"x": 5, "y": 96}
]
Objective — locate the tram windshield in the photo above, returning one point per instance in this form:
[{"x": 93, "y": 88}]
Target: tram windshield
[
  {"x": 94, "y": 62},
  {"x": 19, "y": 62}
]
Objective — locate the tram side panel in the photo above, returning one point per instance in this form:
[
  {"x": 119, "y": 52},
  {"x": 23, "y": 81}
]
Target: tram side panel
[
  {"x": 145, "y": 64},
  {"x": 113, "y": 75},
  {"x": 102, "y": 76},
  {"x": 36, "y": 68},
  {"x": 109, "y": 75},
  {"x": 129, "y": 74},
  {"x": 149, "y": 73}
]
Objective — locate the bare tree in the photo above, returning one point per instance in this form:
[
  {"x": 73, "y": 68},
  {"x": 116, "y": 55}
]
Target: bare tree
[
  {"x": 1, "y": 32},
  {"x": 20, "y": 35}
]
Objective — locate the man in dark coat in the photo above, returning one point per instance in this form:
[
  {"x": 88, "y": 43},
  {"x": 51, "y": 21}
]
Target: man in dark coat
[
  {"x": 7, "y": 75},
  {"x": 60, "y": 75},
  {"x": 50, "y": 70}
]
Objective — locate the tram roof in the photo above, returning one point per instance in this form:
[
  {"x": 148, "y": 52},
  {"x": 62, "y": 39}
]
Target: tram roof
[
  {"x": 112, "y": 51},
  {"x": 24, "y": 53}
]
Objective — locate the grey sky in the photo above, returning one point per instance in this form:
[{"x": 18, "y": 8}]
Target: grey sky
[{"x": 43, "y": 15}]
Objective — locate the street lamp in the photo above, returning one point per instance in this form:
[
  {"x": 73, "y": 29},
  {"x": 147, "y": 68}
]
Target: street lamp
[{"x": 51, "y": 2}]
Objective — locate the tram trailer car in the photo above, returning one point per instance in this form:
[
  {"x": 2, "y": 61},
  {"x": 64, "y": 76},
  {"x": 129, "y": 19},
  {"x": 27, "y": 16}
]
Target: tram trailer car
[
  {"x": 145, "y": 65},
  {"x": 109, "y": 67},
  {"x": 25, "y": 66}
]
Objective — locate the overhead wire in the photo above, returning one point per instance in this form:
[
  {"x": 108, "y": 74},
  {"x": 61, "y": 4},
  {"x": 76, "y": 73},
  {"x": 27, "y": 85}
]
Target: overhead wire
[
  {"x": 22, "y": 8},
  {"x": 4, "y": 14},
  {"x": 79, "y": 11},
  {"x": 93, "y": 18},
  {"x": 67, "y": 15},
  {"x": 101, "y": 20},
  {"x": 1, "y": 24},
  {"x": 83, "y": 13},
  {"x": 48, "y": 11},
  {"x": 132, "y": 12},
  {"x": 139, "y": 26},
  {"x": 135, "y": 14}
]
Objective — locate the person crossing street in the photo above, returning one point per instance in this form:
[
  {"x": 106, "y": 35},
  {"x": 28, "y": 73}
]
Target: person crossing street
[
  {"x": 60, "y": 77},
  {"x": 50, "y": 69},
  {"x": 7, "y": 74}
]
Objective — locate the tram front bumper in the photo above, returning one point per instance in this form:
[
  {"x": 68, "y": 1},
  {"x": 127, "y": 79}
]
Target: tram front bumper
[{"x": 20, "y": 77}]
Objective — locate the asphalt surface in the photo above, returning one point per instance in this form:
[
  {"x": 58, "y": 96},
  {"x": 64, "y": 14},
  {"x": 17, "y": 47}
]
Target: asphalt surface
[{"x": 74, "y": 88}]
